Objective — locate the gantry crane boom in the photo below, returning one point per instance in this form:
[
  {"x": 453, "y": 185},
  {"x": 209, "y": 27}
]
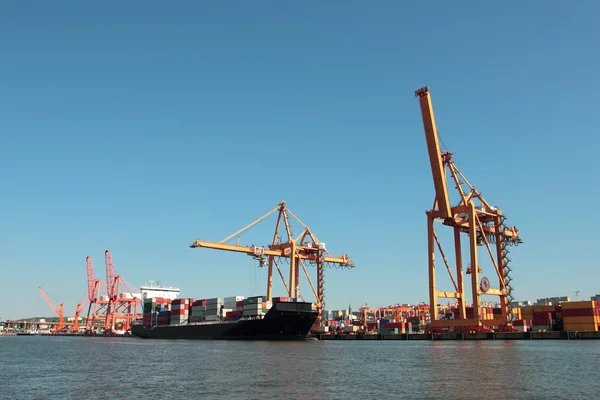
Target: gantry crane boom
[
  {"x": 304, "y": 247},
  {"x": 279, "y": 251},
  {"x": 438, "y": 168},
  {"x": 483, "y": 223}
]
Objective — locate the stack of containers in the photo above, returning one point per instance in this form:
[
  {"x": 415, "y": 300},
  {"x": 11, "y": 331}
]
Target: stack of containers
[
  {"x": 180, "y": 311},
  {"x": 147, "y": 315},
  {"x": 152, "y": 305},
  {"x": 164, "y": 313},
  {"x": 198, "y": 310},
  {"x": 388, "y": 331},
  {"x": 543, "y": 318},
  {"x": 400, "y": 327},
  {"x": 213, "y": 309},
  {"x": 527, "y": 313},
  {"x": 516, "y": 312},
  {"x": 252, "y": 307},
  {"x": 415, "y": 323},
  {"x": 351, "y": 329},
  {"x": 542, "y": 321},
  {"x": 232, "y": 307},
  {"x": 581, "y": 315}
]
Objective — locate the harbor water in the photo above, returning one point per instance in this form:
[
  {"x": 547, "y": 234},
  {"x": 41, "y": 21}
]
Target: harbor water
[{"x": 54, "y": 367}]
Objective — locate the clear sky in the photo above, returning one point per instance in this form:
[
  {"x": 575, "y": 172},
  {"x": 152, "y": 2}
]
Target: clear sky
[{"x": 139, "y": 127}]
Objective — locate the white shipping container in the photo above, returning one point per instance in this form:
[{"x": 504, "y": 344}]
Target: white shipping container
[{"x": 211, "y": 318}]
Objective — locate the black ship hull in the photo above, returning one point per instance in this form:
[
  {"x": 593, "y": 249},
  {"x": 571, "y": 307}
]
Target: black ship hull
[{"x": 284, "y": 321}]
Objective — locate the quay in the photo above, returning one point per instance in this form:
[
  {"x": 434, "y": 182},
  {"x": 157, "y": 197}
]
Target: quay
[{"x": 554, "y": 335}]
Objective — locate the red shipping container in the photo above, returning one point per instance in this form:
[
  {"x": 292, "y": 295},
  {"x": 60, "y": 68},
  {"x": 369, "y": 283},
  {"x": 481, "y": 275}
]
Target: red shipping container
[
  {"x": 399, "y": 325},
  {"x": 237, "y": 313},
  {"x": 579, "y": 312},
  {"x": 280, "y": 299},
  {"x": 239, "y": 303}
]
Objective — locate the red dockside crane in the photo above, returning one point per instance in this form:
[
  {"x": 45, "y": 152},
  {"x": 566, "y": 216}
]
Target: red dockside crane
[
  {"x": 483, "y": 224},
  {"x": 96, "y": 296},
  {"x": 78, "y": 309},
  {"x": 59, "y": 312}
]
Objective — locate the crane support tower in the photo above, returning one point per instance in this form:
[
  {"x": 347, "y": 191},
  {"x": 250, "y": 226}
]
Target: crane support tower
[
  {"x": 98, "y": 300},
  {"x": 123, "y": 301},
  {"x": 483, "y": 224},
  {"x": 303, "y": 249}
]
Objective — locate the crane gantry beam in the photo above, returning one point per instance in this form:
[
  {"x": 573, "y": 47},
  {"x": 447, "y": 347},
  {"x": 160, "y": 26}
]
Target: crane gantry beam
[
  {"x": 483, "y": 224},
  {"x": 305, "y": 247}
]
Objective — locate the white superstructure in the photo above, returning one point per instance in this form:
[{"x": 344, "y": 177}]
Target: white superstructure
[{"x": 154, "y": 289}]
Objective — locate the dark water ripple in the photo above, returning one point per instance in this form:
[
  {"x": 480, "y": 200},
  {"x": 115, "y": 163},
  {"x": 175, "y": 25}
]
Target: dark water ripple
[{"x": 96, "y": 368}]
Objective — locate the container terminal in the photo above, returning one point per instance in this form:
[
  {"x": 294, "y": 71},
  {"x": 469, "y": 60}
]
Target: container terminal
[{"x": 115, "y": 307}]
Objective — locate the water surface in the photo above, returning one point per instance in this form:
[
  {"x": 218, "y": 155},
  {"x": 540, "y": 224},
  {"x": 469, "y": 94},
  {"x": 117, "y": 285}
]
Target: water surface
[{"x": 54, "y": 367}]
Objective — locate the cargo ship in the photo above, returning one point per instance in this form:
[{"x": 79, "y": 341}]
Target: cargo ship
[{"x": 238, "y": 319}]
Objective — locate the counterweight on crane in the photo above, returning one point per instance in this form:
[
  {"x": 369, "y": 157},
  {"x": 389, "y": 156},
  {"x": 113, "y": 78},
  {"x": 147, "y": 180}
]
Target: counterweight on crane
[
  {"x": 484, "y": 225},
  {"x": 305, "y": 248}
]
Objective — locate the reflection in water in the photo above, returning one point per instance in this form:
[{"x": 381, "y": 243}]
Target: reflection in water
[{"x": 95, "y": 368}]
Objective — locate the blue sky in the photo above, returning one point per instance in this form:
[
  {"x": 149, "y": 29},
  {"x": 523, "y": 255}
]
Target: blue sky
[{"x": 142, "y": 127}]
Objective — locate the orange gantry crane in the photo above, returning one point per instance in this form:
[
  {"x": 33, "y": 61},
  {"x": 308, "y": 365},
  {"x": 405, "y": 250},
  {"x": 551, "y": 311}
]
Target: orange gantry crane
[
  {"x": 78, "y": 309},
  {"x": 305, "y": 248},
  {"x": 60, "y": 312},
  {"x": 122, "y": 303},
  {"x": 112, "y": 302},
  {"x": 98, "y": 300},
  {"x": 484, "y": 225}
]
